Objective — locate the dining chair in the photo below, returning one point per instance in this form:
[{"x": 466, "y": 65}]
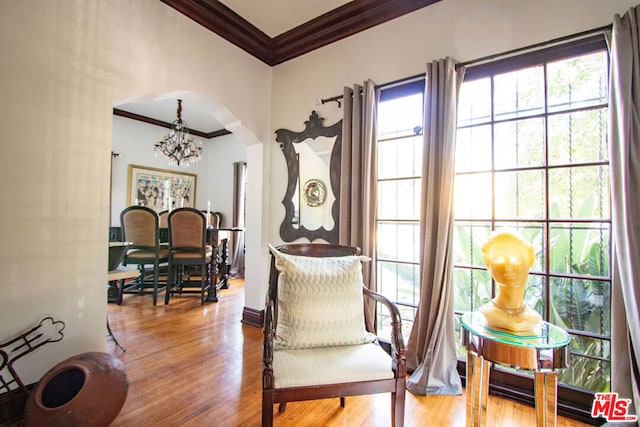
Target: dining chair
[
  {"x": 188, "y": 248},
  {"x": 315, "y": 342},
  {"x": 215, "y": 218},
  {"x": 140, "y": 227},
  {"x": 163, "y": 224},
  {"x": 162, "y": 219}
]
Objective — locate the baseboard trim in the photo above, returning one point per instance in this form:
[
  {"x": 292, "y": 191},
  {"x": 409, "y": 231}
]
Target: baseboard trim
[{"x": 253, "y": 317}]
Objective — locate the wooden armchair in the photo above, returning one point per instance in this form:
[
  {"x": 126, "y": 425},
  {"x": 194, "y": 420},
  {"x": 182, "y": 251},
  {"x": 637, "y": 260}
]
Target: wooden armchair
[{"x": 315, "y": 342}]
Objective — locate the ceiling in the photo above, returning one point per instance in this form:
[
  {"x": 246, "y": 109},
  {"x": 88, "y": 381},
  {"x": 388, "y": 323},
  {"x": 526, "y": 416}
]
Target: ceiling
[
  {"x": 275, "y": 17},
  {"x": 273, "y": 31}
]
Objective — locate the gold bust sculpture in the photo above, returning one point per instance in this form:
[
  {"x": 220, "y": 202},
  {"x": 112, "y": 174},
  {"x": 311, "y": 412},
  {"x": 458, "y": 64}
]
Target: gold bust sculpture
[{"x": 508, "y": 258}]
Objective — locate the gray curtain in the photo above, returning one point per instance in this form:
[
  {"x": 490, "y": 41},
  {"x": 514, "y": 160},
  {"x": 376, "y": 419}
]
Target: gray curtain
[
  {"x": 358, "y": 179},
  {"x": 431, "y": 350},
  {"x": 237, "y": 237},
  {"x": 624, "y": 155}
]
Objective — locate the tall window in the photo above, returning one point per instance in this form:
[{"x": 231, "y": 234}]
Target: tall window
[
  {"x": 398, "y": 212},
  {"x": 531, "y": 156}
]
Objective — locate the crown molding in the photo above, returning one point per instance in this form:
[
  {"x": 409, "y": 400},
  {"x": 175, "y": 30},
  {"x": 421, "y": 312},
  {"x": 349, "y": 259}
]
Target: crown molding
[
  {"x": 342, "y": 22},
  {"x": 223, "y": 21},
  {"x": 151, "y": 121},
  {"x": 337, "y": 24}
]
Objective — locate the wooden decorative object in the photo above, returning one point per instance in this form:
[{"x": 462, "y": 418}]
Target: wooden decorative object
[{"x": 88, "y": 389}]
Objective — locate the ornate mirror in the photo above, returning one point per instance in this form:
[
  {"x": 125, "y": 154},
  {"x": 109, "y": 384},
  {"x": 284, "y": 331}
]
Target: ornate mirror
[{"x": 313, "y": 190}]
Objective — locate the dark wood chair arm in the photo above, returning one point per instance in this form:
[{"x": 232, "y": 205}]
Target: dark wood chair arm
[
  {"x": 267, "y": 353},
  {"x": 397, "y": 340}
]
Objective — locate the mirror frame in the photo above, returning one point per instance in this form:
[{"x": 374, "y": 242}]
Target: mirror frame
[{"x": 313, "y": 129}]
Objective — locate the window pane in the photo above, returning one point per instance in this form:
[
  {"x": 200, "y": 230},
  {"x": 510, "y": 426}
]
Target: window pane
[
  {"x": 578, "y": 137},
  {"x": 586, "y": 373},
  {"x": 579, "y": 192},
  {"x": 399, "y": 283},
  {"x": 473, "y": 149},
  {"x": 519, "y": 194},
  {"x": 534, "y": 294},
  {"x": 400, "y": 158},
  {"x": 407, "y": 314},
  {"x": 519, "y": 143},
  {"x": 577, "y": 82},
  {"x": 473, "y": 195},
  {"x": 579, "y": 248},
  {"x": 399, "y": 116},
  {"x": 399, "y": 199},
  {"x": 581, "y": 305},
  {"x": 472, "y": 288},
  {"x": 398, "y": 241},
  {"x": 467, "y": 245},
  {"x": 519, "y": 94},
  {"x": 409, "y": 283},
  {"x": 594, "y": 347},
  {"x": 388, "y": 279},
  {"x": 474, "y": 102}
]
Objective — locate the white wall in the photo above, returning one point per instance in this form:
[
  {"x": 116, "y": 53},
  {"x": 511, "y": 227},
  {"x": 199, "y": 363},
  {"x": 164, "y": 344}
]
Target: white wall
[
  {"x": 134, "y": 140},
  {"x": 64, "y": 66},
  {"x": 260, "y": 222}
]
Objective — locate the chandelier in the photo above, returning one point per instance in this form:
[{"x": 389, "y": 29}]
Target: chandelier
[{"x": 178, "y": 146}]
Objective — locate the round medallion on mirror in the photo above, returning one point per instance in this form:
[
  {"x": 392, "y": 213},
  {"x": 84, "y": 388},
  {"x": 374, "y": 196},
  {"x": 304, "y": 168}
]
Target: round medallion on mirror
[{"x": 314, "y": 192}]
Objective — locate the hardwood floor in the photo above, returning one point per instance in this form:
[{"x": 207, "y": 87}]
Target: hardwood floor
[{"x": 193, "y": 365}]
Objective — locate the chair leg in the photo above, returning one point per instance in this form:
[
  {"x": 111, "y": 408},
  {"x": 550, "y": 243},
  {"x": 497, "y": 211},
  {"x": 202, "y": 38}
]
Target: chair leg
[
  {"x": 140, "y": 279},
  {"x": 179, "y": 278},
  {"x": 203, "y": 283},
  {"x": 397, "y": 405},
  {"x": 282, "y": 407},
  {"x": 120, "y": 289},
  {"x": 267, "y": 408},
  {"x": 156, "y": 277},
  {"x": 167, "y": 292},
  {"x": 342, "y": 402}
]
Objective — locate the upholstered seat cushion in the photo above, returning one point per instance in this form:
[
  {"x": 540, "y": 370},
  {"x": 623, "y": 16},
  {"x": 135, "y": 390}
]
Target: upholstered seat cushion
[
  {"x": 144, "y": 253},
  {"x": 330, "y": 365},
  {"x": 320, "y": 301}
]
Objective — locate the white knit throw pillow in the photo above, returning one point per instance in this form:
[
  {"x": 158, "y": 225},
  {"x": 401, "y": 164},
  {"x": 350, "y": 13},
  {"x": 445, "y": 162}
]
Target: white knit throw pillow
[{"x": 320, "y": 301}]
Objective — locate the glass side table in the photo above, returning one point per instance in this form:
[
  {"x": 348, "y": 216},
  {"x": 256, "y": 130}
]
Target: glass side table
[{"x": 543, "y": 351}]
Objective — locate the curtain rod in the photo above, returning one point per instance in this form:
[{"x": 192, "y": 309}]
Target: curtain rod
[{"x": 487, "y": 58}]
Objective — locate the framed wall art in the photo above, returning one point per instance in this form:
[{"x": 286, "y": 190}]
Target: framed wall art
[{"x": 160, "y": 189}]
